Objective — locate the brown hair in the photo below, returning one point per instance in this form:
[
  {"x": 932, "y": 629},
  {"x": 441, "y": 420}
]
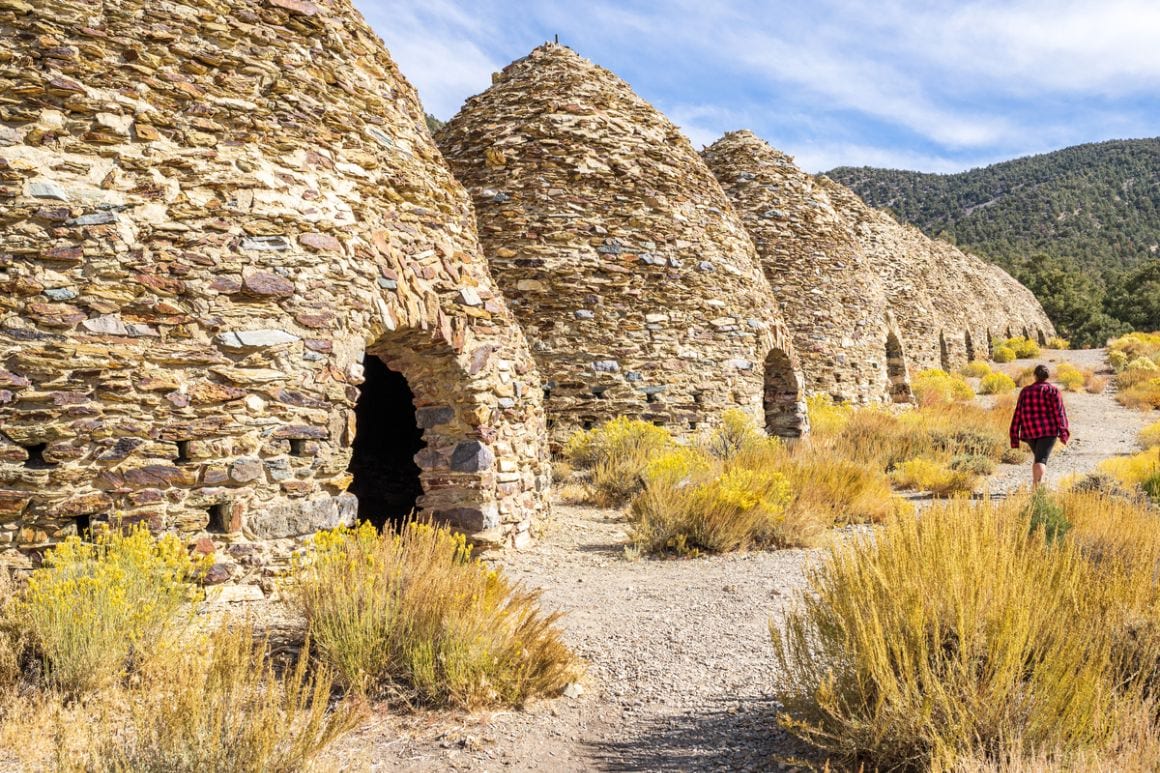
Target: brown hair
[{"x": 1042, "y": 373}]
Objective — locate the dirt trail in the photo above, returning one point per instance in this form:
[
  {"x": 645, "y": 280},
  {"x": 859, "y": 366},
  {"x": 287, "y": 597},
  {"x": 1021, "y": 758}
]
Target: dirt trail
[
  {"x": 679, "y": 660},
  {"x": 1100, "y": 427}
]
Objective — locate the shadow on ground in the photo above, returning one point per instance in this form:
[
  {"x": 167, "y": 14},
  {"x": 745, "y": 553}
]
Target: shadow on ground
[{"x": 713, "y": 738}]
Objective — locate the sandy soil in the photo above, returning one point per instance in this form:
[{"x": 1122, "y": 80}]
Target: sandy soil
[{"x": 679, "y": 660}]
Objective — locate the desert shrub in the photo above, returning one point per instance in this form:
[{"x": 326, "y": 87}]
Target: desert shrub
[
  {"x": 1025, "y": 377},
  {"x": 1149, "y": 437},
  {"x": 1132, "y": 470},
  {"x": 899, "y": 657},
  {"x": 94, "y": 608},
  {"x": 973, "y": 464},
  {"x": 616, "y": 453},
  {"x": 1003, "y": 353},
  {"x": 735, "y": 433},
  {"x": 827, "y": 418},
  {"x": 619, "y": 437},
  {"x": 1096, "y": 384},
  {"x": 691, "y": 505},
  {"x": 227, "y": 709},
  {"x": 11, "y": 647},
  {"x": 932, "y": 387},
  {"x": 1045, "y": 514},
  {"x": 1142, "y": 396},
  {"x": 924, "y": 474},
  {"x": 996, "y": 384},
  {"x": 1024, "y": 348},
  {"x": 412, "y": 615},
  {"x": 838, "y": 491},
  {"x": 1143, "y": 364},
  {"x": 1070, "y": 377},
  {"x": 1135, "y": 345},
  {"x": 975, "y": 369},
  {"x": 1055, "y": 342},
  {"x": 1117, "y": 360}
]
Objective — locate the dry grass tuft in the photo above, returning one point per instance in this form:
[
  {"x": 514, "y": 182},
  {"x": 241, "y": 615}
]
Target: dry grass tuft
[
  {"x": 939, "y": 478},
  {"x": 901, "y": 658},
  {"x": 411, "y": 615}
]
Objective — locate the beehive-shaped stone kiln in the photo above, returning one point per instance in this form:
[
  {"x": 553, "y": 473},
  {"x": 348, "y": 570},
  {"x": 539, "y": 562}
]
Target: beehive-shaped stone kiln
[
  {"x": 949, "y": 304},
  {"x": 237, "y": 278},
  {"x": 632, "y": 276},
  {"x": 834, "y": 301}
]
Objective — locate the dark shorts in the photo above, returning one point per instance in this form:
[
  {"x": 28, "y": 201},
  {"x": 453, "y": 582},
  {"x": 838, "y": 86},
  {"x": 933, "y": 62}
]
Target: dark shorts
[{"x": 1041, "y": 447}]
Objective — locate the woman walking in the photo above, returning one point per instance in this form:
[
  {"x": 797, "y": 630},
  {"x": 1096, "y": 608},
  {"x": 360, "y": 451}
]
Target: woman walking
[{"x": 1039, "y": 420}]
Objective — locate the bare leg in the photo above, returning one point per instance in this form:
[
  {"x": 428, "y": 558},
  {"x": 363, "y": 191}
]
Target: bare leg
[{"x": 1037, "y": 472}]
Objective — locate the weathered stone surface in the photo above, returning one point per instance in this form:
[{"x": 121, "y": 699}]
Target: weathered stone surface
[
  {"x": 833, "y": 298},
  {"x": 595, "y": 213},
  {"x": 209, "y": 217}
]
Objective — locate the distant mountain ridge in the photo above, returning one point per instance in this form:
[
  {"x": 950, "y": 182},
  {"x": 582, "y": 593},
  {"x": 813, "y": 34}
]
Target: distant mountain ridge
[
  {"x": 1098, "y": 203},
  {"x": 1091, "y": 208}
]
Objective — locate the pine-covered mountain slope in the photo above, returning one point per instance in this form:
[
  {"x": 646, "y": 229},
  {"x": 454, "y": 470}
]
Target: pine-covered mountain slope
[{"x": 1091, "y": 210}]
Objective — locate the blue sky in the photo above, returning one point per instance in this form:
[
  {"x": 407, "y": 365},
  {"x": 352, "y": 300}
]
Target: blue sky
[{"x": 935, "y": 86}]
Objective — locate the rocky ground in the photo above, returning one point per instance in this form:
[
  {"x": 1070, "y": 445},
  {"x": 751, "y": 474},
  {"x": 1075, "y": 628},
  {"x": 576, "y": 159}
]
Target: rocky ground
[{"x": 678, "y": 654}]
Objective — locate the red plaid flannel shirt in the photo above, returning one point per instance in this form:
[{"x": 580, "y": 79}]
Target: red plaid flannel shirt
[{"x": 1039, "y": 413}]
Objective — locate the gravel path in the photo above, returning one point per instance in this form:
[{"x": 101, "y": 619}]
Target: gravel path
[
  {"x": 678, "y": 652},
  {"x": 1100, "y": 427}
]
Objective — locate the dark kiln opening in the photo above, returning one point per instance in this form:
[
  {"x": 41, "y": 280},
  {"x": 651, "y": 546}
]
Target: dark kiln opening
[
  {"x": 783, "y": 416},
  {"x": 386, "y": 439},
  {"x": 944, "y": 355}
]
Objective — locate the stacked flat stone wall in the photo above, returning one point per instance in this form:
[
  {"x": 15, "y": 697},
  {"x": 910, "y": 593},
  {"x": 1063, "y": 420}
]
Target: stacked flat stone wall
[
  {"x": 833, "y": 299},
  {"x": 634, "y": 279},
  {"x": 210, "y": 212}
]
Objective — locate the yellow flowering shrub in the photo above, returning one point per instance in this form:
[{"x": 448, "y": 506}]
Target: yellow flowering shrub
[
  {"x": 1003, "y": 353},
  {"x": 411, "y": 615},
  {"x": 1055, "y": 342},
  {"x": 616, "y": 438},
  {"x": 1117, "y": 360},
  {"x": 996, "y": 384},
  {"x": 934, "y": 386},
  {"x": 736, "y": 432},
  {"x": 827, "y": 417},
  {"x": 616, "y": 454},
  {"x": 1150, "y": 435},
  {"x": 975, "y": 369},
  {"x": 95, "y": 607},
  {"x": 1133, "y": 470},
  {"x": 1024, "y": 348}
]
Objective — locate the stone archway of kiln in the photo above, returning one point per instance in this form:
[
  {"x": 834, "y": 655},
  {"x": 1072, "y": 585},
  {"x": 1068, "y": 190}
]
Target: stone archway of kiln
[
  {"x": 784, "y": 408},
  {"x": 896, "y": 370},
  {"x": 412, "y": 446}
]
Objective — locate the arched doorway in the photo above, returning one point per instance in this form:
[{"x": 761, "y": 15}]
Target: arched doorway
[
  {"x": 970, "y": 345},
  {"x": 1026, "y": 334},
  {"x": 944, "y": 355},
  {"x": 896, "y": 370},
  {"x": 990, "y": 345},
  {"x": 1039, "y": 334},
  {"x": 784, "y": 410},
  {"x": 387, "y": 438}
]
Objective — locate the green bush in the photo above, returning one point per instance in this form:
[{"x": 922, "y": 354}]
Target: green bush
[{"x": 1045, "y": 514}]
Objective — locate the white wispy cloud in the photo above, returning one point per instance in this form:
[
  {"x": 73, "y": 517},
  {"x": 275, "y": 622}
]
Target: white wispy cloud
[{"x": 936, "y": 86}]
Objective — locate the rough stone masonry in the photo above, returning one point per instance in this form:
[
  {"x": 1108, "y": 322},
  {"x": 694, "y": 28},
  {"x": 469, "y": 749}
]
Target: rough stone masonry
[
  {"x": 633, "y": 277},
  {"x": 211, "y": 213}
]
